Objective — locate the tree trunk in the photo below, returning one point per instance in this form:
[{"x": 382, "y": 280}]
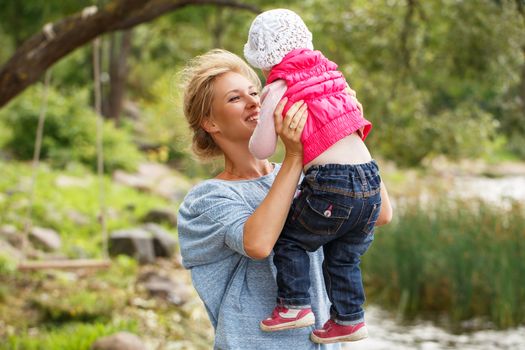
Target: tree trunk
[
  {"x": 218, "y": 28},
  {"x": 522, "y": 85},
  {"x": 118, "y": 72},
  {"x": 405, "y": 33},
  {"x": 58, "y": 39}
]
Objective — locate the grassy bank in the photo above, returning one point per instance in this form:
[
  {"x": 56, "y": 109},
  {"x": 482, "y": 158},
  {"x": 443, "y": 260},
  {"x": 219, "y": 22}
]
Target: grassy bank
[{"x": 453, "y": 261}]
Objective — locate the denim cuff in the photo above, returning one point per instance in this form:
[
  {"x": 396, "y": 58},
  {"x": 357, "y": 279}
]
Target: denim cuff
[
  {"x": 294, "y": 303},
  {"x": 350, "y": 319}
]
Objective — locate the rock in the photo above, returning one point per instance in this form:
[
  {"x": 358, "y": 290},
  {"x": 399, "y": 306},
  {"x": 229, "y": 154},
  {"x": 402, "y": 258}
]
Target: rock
[
  {"x": 161, "y": 215},
  {"x": 10, "y": 251},
  {"x": 133, "y": 242},
  {"x": 64, "y": 181},
  {"x": 78, "y": 218},
  {"x": 164, "y": 243},
  {"x": 119, "y": 341},
  {"x": 45, "y": 238},
  {"x": 135, "y": 181},
  {"x": 156, "y": 178},
  {"x": 11, "y": 235},
  {"x": 165, "y": 288}
]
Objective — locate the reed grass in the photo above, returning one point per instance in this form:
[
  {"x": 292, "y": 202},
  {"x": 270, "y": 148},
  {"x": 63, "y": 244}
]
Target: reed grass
[{"x": 463, "y": 260}]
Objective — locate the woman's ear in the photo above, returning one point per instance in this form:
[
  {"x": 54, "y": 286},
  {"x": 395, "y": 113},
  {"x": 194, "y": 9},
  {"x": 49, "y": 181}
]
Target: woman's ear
[{"x": 209, "y": 125}]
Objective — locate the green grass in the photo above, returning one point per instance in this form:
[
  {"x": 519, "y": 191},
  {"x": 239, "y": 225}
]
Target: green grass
[
  {"x": 74, "y": 336},
  {"x": 460, "y": 260}
]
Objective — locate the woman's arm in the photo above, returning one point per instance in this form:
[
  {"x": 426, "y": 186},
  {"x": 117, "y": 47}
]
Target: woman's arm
[
  {"x": 264, "y": 226},
  {"x": 385, "y": 215}
]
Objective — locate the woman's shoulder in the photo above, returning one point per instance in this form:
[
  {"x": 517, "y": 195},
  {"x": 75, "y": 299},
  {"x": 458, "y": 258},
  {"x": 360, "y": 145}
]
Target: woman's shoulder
[{"x": 207, "y": 191}]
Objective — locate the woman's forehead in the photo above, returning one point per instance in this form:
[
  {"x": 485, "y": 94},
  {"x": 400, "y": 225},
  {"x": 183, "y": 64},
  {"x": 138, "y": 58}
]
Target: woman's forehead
[{"x": 232, "y": 81}]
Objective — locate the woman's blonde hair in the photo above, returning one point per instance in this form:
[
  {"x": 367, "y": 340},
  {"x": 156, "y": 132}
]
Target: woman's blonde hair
[{"x": 198, "y": 79}]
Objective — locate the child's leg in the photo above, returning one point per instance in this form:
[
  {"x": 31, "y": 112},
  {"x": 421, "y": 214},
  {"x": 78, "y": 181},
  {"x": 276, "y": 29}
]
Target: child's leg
[
  {"x": 293, "y": 274},
  {"x": 343, "y": 280},
  {"x": 293, "y": 308}
]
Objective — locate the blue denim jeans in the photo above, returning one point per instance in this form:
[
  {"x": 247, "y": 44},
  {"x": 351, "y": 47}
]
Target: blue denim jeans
[{"x": 336, "y": 209}]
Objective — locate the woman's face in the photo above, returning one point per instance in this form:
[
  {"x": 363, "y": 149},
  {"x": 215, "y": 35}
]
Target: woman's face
[{"x": 235, "y": 107}]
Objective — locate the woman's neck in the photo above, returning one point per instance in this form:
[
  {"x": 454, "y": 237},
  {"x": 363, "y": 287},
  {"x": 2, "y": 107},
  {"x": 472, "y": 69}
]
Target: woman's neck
[{"x": 246, "y": 170}]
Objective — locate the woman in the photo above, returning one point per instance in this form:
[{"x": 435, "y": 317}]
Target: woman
[{"x": 228, "y": 225}]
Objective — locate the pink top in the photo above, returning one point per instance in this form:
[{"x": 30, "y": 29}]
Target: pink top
[{"x": 307, "y": 75}]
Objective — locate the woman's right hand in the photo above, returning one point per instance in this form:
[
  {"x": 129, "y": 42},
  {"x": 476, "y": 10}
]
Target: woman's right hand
[
  {"x": 291, "y": 126},
  {"x": 263, "y": 227}
]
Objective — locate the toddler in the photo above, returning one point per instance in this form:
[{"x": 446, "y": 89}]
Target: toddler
[{"x": 339, "y": 199}]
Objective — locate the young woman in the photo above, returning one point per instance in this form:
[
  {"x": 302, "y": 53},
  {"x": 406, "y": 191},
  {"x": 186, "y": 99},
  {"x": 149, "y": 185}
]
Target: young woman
[{"x": 228, "y": 225}]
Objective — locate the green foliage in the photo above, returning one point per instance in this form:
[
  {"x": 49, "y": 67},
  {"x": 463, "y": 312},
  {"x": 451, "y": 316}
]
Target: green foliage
[
  {"x": 69, "y": 304},
  {"x": 432, "y": 77},
  {"x": 54, "y": 204},
  {"x": 74, "y": 336},
  {"x": 69, "y": 131},
  {"x": 7, "y": 265},
  {"x": 21, "y": 19},
  {"x": 163, "y": 125},
  {"x": 451, "y": 259}
]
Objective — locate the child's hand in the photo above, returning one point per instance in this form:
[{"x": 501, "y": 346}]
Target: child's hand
[
  {"x": 353, "y": 94},
  {"x": 291, "y": 127}
]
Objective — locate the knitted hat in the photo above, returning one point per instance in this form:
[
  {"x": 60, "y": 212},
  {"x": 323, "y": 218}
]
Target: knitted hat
[{"x": 273, "y": 35}]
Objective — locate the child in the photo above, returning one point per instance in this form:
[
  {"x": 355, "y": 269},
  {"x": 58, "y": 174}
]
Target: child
[{"x": 339, "y": 199}]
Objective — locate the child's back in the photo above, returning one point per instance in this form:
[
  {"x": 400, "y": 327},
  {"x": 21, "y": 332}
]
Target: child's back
[{"x": 349, "y": 150}]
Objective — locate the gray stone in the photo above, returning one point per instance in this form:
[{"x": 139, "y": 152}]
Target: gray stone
[
  {"x": 164, "y": 243},
  {"x": 161, "y": 216},
  {"x": 119, "y": 341},
  {"x": 165, "y": 288},
  {"x": 44, "y": 238},
  {"x": 136, "y": 242}
]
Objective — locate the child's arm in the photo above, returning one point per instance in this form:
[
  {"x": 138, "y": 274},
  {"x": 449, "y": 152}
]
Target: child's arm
[{"x": 264, "y": 138}]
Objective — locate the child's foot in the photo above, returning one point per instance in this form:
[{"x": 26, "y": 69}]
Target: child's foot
[
  {"x": 283, "y": 318},
  {"x": 333, "y": 333}
]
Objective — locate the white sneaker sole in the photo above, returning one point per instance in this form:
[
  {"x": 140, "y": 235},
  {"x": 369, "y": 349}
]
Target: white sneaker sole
[
  {"x": 306, "y": 321},
  {"x": 362, "y": 333}
]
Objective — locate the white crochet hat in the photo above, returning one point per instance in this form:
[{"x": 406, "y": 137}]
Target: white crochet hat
[{"x": 273, "y": 34}]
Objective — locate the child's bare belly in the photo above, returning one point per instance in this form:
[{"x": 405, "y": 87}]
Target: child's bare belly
[{"x": 350, "y": 150}]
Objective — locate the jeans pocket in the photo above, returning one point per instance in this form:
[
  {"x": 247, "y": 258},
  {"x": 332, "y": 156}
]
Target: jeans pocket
[
  {"x": 375, "y": 208},
  {"x": 321, "y": 216}
]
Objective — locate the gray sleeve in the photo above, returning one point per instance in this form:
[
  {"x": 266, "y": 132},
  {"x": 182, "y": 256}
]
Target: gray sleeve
[{"x": 211, "y": 224}]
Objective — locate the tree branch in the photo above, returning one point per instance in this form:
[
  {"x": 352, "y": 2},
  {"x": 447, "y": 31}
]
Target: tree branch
[{"x": 58, "y": 39}]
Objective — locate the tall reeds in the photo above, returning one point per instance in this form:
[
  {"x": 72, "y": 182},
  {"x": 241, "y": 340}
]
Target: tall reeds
[{"x": 463, "y": 260}]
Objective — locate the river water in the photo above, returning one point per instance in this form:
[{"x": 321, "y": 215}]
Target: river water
[{"x": 385, "y": 333}]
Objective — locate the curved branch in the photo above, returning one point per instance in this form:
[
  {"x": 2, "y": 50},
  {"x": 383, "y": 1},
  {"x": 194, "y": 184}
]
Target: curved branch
[{"x": 58, "y": 39}]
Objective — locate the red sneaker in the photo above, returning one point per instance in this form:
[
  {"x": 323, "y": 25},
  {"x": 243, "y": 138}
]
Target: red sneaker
[
  {"x": 283, "y": 318},
  {"x": 333, "y": 333}
]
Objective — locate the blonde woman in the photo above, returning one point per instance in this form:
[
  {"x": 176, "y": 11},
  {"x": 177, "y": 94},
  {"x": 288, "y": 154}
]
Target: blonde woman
[{"x": 229, "y": 224}]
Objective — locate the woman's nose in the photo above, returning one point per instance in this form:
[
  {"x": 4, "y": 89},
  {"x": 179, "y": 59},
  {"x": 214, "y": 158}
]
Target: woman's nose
[{"x": 253, "y": 101}]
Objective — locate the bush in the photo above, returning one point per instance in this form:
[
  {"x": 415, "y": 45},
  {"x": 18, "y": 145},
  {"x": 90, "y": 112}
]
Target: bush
[{"x": 69, "y": 132}]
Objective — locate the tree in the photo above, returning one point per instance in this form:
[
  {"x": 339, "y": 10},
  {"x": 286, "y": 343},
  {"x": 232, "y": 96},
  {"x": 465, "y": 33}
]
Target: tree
[{"x": 58, "y": 39}]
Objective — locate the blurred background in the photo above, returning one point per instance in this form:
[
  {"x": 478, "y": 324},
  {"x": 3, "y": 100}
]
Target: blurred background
[{"x": 443, "y": 82}]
